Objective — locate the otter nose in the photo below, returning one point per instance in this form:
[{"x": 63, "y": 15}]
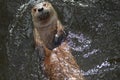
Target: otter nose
[{"x": 40, "y": 9}]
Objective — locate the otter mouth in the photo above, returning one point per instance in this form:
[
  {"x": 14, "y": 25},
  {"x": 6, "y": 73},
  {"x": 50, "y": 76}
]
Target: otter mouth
[{"x": 44, "y": 15}]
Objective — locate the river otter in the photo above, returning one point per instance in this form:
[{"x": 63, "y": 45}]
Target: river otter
[
  {"x": 47, "y": 27},
  {"x": 59, "y": 64}
]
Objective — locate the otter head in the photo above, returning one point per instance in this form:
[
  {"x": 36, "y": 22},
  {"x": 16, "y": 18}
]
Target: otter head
[{"x": 43, "y": 13}]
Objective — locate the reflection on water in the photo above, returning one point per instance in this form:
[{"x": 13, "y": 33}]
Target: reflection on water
[{"x": 94, "y": 37}]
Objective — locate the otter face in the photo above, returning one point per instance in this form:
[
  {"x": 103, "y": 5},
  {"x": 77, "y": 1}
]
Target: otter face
[{"x": 42, "y": 11}]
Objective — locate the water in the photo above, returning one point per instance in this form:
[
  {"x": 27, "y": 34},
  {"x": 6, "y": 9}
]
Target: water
[{"x": 94, "y": 36}]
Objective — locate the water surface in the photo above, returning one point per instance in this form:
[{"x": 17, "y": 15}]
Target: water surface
[{"x": 94, "y": 36}]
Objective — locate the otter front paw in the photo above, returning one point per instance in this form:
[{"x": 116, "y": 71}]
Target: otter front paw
[{"x": 58, "y": 39}]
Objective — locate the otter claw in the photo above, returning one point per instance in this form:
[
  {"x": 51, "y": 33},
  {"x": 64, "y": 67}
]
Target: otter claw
[{"x": 56, "y": 38}]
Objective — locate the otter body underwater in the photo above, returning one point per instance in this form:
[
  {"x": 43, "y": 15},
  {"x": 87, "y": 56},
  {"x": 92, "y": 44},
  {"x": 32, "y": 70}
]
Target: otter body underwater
[{"x": 59, "y": 64}]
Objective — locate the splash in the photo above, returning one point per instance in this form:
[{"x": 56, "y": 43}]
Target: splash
[
  {"x": 83, "y": 43},
  {"x": 99, "y": 69},
  {"x": 78, "y": 3},
  {"x": 93, "y": 52}
]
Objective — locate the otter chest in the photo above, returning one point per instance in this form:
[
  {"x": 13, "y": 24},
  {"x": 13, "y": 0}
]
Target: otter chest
[{"x": 47, "y": 36}]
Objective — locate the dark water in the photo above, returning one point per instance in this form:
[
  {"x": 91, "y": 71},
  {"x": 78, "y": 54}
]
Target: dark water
[{"x": 94, "y": 33}]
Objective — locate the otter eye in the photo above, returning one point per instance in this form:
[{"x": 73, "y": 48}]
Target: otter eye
[
  {"x": 34, "y": 9},
  {"x": 44, "y": 4}
]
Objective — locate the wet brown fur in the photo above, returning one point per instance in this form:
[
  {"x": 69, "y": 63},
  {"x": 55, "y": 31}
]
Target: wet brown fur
[
  {"x": 45, "y": 30},
  {"x": 61, "y": 65},
  {"x": 58, "y": 62}
]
